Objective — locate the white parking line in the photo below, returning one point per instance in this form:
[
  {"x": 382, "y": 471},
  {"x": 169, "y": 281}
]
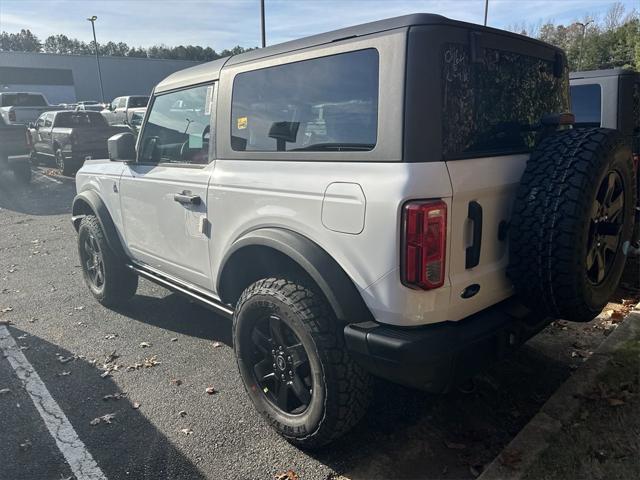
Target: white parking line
[
  {"x": 78, "y": 457},
  {"x": 47, "y": 177}
]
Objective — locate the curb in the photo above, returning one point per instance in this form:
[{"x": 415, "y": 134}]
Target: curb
[{"x": 560, "y": 409}]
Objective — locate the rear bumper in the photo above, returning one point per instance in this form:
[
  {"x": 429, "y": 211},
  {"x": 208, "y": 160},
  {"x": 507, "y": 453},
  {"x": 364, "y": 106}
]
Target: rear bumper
[{"x": 438, "y": 356}]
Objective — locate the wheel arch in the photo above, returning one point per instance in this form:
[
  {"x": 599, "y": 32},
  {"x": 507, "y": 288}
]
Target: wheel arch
[
  {"x": 268, "y": 251},
  {"x": 90, "y": 203}
]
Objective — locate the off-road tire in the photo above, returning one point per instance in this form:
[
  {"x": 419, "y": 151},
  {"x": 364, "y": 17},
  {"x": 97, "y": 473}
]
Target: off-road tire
[
  {"x": 342, "y": 389},
  {"x": 551, "y": 226},
  {"x": 119, "y": 283},
  {"x": 22, "y": 172},
  {"x": 67, "y": 166}
]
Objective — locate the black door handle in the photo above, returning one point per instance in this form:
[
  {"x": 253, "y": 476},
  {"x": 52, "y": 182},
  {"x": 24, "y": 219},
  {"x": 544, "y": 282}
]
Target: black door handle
[
  {"x": 186, "y": 198},
  {"x": 473, "y": 251}
]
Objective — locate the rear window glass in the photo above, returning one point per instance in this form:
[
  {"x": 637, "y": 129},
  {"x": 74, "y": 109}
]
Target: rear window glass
[
  {"x": 490, "y": 106},
  {"x": 324, "y": 104},
  {"x": 586, "y": 104},
  {"x": 73, "y": 119},
  {"x": 137, "y": 102},
  {"x": 22, "y": 100}
]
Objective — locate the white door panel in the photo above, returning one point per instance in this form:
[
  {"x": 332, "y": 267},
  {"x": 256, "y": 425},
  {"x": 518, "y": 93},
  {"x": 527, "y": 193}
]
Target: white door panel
[
  {"x": 491, "y": 182},
  {"x": 159, "y": 230}
]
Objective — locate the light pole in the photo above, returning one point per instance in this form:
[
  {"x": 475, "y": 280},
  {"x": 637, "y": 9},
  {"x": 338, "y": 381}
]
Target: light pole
[
  {"x": 262, "y": 29},
  {"x": 95, "y": 44},
  {"x": 584, "y": 33},
  {"x": 486, "y": 11}
]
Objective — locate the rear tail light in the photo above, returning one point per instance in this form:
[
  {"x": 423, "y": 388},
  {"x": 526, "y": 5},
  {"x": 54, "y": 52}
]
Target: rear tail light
[
  {"x": 12, "y": 115},
  {"x": 424, "y": 244}
]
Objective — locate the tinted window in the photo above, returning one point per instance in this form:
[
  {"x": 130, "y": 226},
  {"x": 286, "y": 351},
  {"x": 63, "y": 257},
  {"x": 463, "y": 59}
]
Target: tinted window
[
  {"x": 137, "y": 102},
  {"x": 490, "y": 106},
  {"x": 586, "y": 103},
  {"x": 324, "y": 104},
  {"x": 77, "y": 119},
  {"x": 178, "y": 127},
  {"x": 23, "y": 100}
]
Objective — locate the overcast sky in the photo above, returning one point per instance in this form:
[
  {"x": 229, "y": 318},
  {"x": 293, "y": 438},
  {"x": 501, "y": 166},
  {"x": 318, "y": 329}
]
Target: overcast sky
[{"x": 226, "y": 23}]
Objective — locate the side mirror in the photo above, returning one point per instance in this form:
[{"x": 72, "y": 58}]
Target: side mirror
[{"x": 122, "y": 147}]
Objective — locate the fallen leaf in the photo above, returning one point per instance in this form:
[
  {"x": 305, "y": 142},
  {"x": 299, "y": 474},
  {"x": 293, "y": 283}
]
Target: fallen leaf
[
  {"x": 4, "y": 391},
  {"x": 455, "y": 446},
  {"x": 114, "y": 396},
  {"x": 6, "y": 309},
  {"x": 23, "y": 336},
  {"x": 187, "y": 431},
  {"x": 32, "y": 319},
  {"x": 510, "y": 458},
  {"x": 288, "y": 475},
  {"x": 62, "y": 359},
  {"x": 174, "y": 339},
  {"x": 105, "y": 374},
  {"x": 475, "y": 470},
  {"x": 103, "y": 419},
  {"x": 110, "y": 336},
  {"x": 176, "y": 381},
  {"x": 64, "y": 374},
  {"x": 144, "y": 344},
  {"x": 135, "y": 405},
  {"x": 615, "y": 402},
  {"x": 216, "y": 344},
  {"x": 25, "y": 445},
  {"x": 111, "y": 357},
  {"x": 211, "y": 390},
  {"x": 182, "y": 413},
  {"x": 79, "y": 308}
]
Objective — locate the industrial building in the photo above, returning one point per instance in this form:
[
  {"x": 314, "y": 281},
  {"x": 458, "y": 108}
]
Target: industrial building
[{"x": 71, "y": 78}]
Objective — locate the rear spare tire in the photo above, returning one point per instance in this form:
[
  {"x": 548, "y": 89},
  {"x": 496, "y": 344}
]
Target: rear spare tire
[{"x": 572, "y": 216}]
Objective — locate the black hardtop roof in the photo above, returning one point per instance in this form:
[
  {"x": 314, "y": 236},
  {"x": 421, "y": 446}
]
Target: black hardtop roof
[
  {"x": 611, "y": 72},
  {"x": 211, "y": 70}
]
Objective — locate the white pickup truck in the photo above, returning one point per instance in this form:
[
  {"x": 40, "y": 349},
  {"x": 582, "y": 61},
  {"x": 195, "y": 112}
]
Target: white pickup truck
[{"x": 23, "y": 107}]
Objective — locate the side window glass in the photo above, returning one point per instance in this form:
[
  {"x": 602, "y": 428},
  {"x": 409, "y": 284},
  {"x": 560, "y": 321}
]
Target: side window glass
[
  {"x": 178, "y": 129},
  {"x": 48, "y": 121},
  {"x": 326, "y": 104},
  {"x": 586, "y": 103},
  {"x": 115, "y": 104}
]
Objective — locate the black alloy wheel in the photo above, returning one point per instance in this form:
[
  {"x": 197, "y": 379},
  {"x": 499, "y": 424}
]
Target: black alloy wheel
[
  {"x": 281, "y": 366},
  {"x": 607, "y": 217},
  {"x": 93, "y": 261}
]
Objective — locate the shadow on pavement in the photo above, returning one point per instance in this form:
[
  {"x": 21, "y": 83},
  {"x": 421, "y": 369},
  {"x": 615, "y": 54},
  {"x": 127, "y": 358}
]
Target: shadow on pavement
[
  {"x": 45, "y": 195},
  {"x": 129, "y": 447},
  {"x": 176, "y": 313}
]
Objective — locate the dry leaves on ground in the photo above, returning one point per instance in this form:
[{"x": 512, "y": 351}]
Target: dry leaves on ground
[
  {"x": 187, "y": 431},
  {"x": 114, "y": 396},
  {"x": 103, "y": 419},
  {"x": 145, "y": 344},
  {"x": 147, "y": 363},
  {"x": 211, "y": 390},
  {"x": 288, "y": 475}
]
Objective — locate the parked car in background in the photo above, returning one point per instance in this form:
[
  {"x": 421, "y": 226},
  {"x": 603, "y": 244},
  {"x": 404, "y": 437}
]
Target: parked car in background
[
  {"x": 611, "y": 99},
  {"x": 15, "y": 146},
  {"x": 23, "y": 107},
  {"x": 119, "y": 112},
  {"x": 90, "y": 106},
  {"x": 69, "y": 137},
  {"x": 404, "y": 198}
]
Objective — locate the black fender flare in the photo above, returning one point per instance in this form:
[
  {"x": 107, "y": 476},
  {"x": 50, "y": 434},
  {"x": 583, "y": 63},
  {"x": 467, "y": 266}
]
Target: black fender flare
[
  {"x": 329, "y": 276},
  {"x": 90, "y": 203}
]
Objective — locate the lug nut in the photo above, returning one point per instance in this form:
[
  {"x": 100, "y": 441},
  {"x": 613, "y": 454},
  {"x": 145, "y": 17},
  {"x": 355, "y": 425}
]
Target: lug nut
[
  {"x": 282, "y": 376},
  {"x": 290, "y": 373},
  {"x": 274, "y": 366}
]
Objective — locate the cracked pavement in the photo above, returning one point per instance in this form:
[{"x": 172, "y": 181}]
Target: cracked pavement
[{"x": 406, "y": 434}]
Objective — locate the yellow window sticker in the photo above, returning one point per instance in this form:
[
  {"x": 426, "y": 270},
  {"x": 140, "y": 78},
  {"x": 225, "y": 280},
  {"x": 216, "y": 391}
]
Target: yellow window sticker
[{"x": 242, "y": 123}]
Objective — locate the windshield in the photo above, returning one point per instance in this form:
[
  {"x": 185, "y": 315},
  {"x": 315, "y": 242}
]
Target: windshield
[
  {"x": 22, "y": 100},
  {"x": 137, "y": 102}
]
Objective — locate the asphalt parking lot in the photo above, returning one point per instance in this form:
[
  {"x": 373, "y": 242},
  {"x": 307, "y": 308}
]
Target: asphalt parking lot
[{"x": 168, "y": 351}]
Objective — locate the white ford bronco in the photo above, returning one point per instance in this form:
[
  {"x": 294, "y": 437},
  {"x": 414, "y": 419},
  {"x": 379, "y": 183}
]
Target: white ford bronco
[{"x": 405, "y": 198}]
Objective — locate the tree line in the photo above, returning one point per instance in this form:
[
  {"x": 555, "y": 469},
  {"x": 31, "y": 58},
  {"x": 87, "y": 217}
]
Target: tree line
[
  {"x": 590, "y": 44},
  {"x": 594, "y": 43},
  {"x": 27, "y": 41}
]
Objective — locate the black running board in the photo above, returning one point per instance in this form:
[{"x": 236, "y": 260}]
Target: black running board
[{"x": 183, "y": 288}]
